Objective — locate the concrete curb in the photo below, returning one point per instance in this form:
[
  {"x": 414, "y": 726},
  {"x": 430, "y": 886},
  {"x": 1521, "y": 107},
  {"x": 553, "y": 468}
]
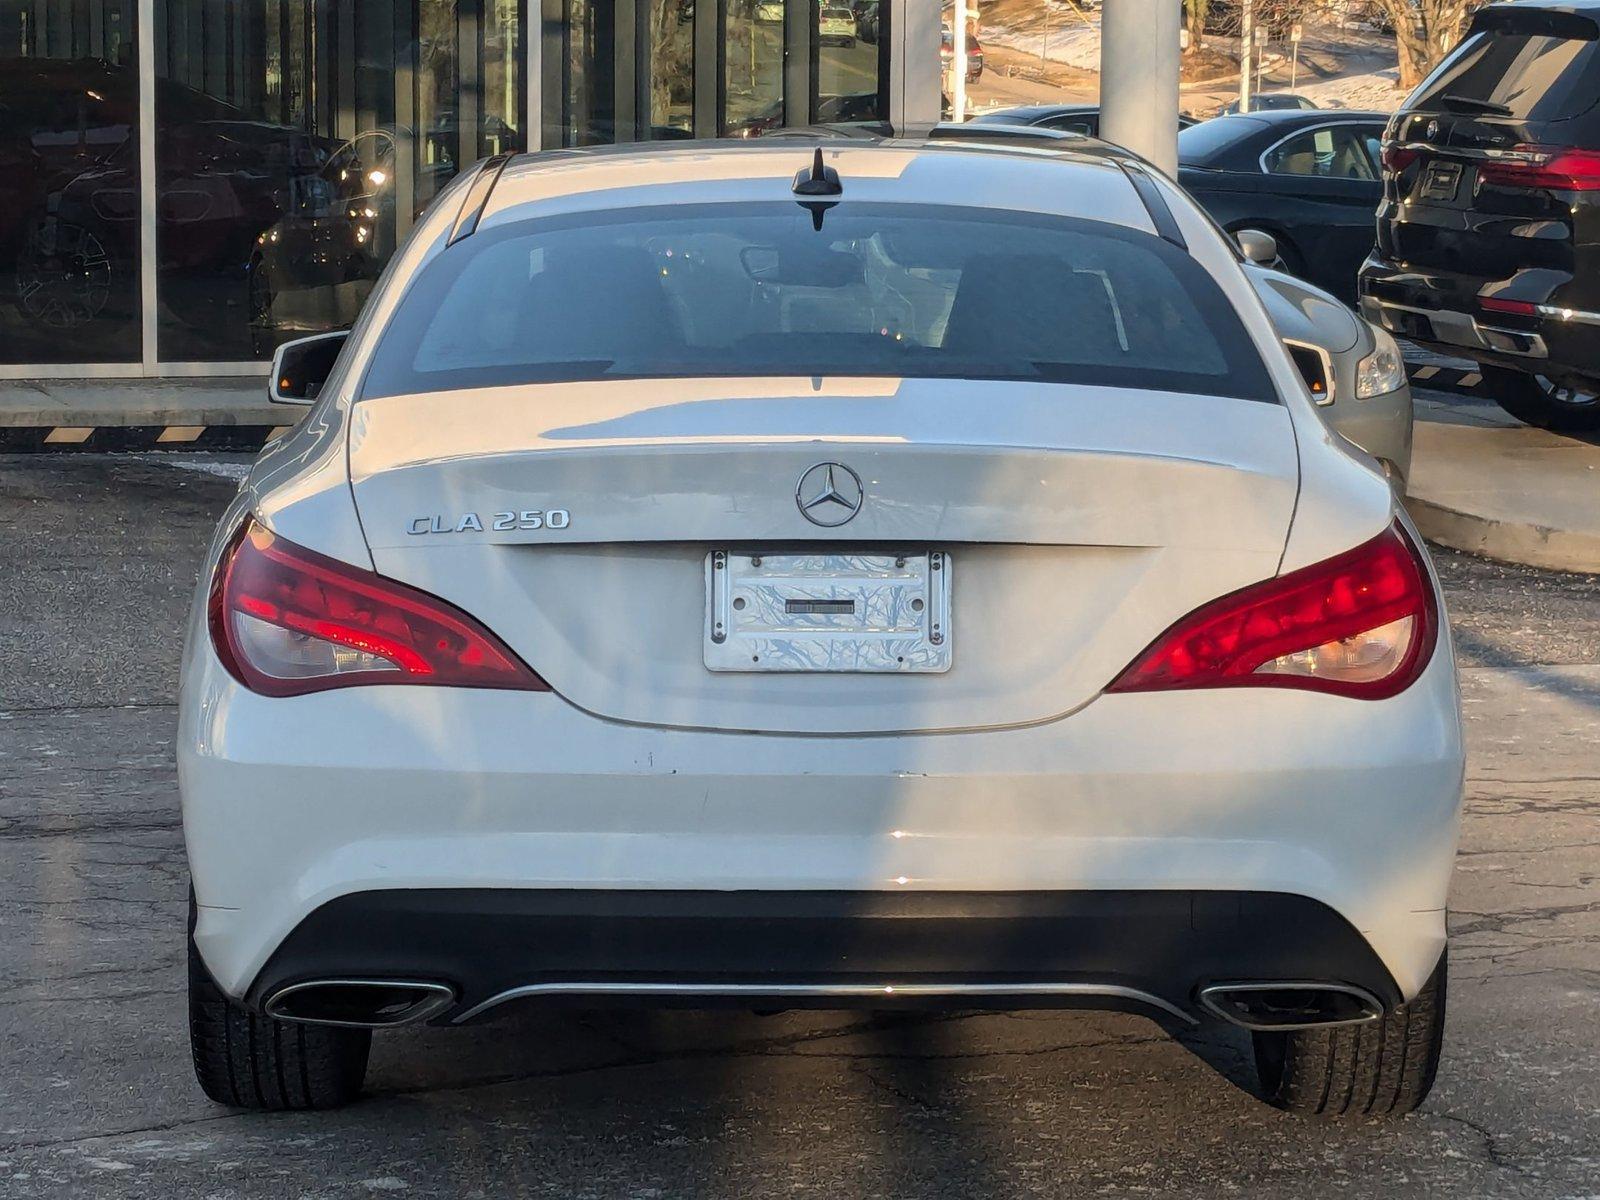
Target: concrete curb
[
  {"x": 1508, "y": 492},
  {"x": 1520, "y": 543},
  {"x": 177, "y": 403}
]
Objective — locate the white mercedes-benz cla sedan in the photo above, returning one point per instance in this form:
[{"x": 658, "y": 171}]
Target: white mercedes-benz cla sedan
[{"x": 879, "y": 573}]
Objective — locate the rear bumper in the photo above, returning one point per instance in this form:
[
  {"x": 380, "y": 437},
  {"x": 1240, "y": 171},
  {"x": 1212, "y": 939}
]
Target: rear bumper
[
  {"x": 1150, "y": 951},
  {"x": 1441, "y": 310},
  {"x": 290, "y": 804}
]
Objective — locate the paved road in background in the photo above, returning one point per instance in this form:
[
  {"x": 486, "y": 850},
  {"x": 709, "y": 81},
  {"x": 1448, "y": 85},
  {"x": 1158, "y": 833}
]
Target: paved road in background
[{"x": 97, "y": 558}]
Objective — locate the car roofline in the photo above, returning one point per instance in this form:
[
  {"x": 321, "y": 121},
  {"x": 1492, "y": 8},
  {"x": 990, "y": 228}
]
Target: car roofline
[{"x": 945, "y": 136}]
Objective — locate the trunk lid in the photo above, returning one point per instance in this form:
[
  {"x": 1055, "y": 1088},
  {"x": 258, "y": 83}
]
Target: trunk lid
[{"x": 1079, "y": 521}]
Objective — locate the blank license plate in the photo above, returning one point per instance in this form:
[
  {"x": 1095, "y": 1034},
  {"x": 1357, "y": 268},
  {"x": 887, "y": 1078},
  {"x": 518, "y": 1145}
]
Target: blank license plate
[
  {"x": 827, "y": 612},
  {"x": 1441, "y": 181}
]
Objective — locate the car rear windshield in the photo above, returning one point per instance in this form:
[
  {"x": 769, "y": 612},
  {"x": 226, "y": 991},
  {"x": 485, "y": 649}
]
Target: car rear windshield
[
  {"x": 1199, "y": 144},
  {"x": 1511, "y": 73},
  {"x": 759, "y": 290}
]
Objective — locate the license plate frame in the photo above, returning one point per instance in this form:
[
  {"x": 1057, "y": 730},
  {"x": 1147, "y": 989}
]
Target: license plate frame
[
  {"x": 1441, "y": 181},
  {"x": 787, "y": 612}
]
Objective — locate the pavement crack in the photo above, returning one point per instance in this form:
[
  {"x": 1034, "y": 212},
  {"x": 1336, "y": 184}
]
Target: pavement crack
[
  {"x": 1491, "y": 1147},
  {"x": 889, "y": 1087},
  {"x": 161, "y": 1127}
]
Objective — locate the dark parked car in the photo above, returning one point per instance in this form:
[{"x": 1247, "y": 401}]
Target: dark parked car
[
  {"x": 1071, "y": 118},
  {"x": 947, "y": 53},
  {"x": 1489, "y": 234},
  {"x": 1310, "y": 179},
  {"x": 869, "y": 20},
  {"x": 1271, "y": 101}
]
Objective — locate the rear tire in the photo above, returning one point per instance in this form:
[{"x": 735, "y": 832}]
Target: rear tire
[
  {"x": 1539, "y": 402},
  {"x": 249, "y": 1061},
  {"x": 1378, "y": 1069}
]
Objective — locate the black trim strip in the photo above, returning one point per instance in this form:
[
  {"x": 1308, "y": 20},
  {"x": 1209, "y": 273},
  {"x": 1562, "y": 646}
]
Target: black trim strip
[
  {"x": 833, "y": 949},
  {"x": 477, "y": 198},
  {"x": 1155, "y": 204}
]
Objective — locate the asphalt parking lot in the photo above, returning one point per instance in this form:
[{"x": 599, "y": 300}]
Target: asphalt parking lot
[{"x": 97, "y": 559}]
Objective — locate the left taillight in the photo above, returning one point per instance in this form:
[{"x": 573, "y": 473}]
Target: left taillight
[
  {"x": 286, "y": 621},
  {"x": 1362, "y": 624}
]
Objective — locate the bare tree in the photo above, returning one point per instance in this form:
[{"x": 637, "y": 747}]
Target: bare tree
[
  {"x": 1194, "y": 12},
  {"x": 671, "y": 56},
  {"x": 1424, "y": 32}
]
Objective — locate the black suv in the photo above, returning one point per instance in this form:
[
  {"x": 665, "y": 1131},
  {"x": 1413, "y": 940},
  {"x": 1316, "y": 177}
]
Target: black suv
[{"x": 1489, "y": 231}]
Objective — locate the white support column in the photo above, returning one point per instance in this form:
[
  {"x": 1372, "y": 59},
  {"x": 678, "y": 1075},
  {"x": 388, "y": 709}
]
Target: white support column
[
  {"x": 914, "y": 76},
  {"x": 1139, "y": 78}
]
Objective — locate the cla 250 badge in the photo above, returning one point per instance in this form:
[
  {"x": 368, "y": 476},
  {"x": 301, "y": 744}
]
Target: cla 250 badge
[{"x": 500, "y": 522}]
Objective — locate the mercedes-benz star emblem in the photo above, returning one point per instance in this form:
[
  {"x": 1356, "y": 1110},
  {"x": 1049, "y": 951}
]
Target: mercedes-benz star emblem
[
  {"x": 829, "y": 494},
  {"x": 1433, "y": 130}
]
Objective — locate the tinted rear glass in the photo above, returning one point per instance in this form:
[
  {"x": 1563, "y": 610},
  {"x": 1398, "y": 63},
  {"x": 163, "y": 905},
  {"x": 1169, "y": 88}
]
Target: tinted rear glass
[
  {"x": 1198, "y": 143},
  {"x": 757, "y": 290},
  {"x": 1533, "y": 76}
]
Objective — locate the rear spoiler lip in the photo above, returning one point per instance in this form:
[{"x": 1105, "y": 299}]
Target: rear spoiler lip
[
  {"x": 1155, "y": 204},
  {"x": 477, "y": 197}
]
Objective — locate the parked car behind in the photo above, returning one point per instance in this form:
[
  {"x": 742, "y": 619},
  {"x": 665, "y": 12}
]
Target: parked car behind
[
  {"x": 1310, "y": 179},
  {"x": 868, "y": 20},
  {"x": 947, "y": 50},
  {"x": 1273, "y": 101},
  {"x": 836, "y": 25},
  {"x": 1488, "y": 240},
  {"x": 1354, "y": 370},
  {"x": 1069, "y": 118}
]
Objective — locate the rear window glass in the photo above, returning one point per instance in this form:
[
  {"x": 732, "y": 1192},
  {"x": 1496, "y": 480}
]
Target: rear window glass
[
  {"x": 758, "y": 290},
  {"x": 1530, "y": 77},
  {"x": 1198, "y": 143}
]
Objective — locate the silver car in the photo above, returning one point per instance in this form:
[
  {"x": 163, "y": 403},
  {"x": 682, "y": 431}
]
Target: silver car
[{"x": 1354, "y": 369}]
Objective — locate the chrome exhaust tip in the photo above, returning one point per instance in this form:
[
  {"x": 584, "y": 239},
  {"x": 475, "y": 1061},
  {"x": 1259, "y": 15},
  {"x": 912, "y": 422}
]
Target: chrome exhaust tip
[
  {"x": 1279, "y": 1007},
  {"x": 359, "y": 1003}
]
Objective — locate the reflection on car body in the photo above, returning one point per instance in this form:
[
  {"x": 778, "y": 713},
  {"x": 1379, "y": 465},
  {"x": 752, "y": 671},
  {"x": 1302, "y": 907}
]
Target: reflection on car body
[{"x": 1311, "y": 179}]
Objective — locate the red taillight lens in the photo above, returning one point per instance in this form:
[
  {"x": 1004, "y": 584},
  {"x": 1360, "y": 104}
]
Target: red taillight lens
[
  {"x": 1520, "y": 308},
  {"x": 286, "y": 621},
  {"x": 1397, "y": 158},
  {"x": 1362, "y": 624},
  {"x": 1561, "y": 167}
]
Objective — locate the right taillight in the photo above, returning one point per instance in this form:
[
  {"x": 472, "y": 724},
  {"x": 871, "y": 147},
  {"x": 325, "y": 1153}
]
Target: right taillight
[
  {"x": 1564, "y": 168},
  {"x": 286, "y": 620},
  {"x": 1362, "y": 624}
]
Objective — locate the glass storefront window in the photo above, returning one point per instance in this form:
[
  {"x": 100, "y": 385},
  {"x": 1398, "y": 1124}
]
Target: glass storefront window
[
  {"x": 297, "y": 142},
  {"x": 589, "y": 74},
  {"x": 753, "y": 46},
  {"x": 669, "y": 36},
  {"x": 69, "y": 182},
  {"x": 847, "y": 68}
]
